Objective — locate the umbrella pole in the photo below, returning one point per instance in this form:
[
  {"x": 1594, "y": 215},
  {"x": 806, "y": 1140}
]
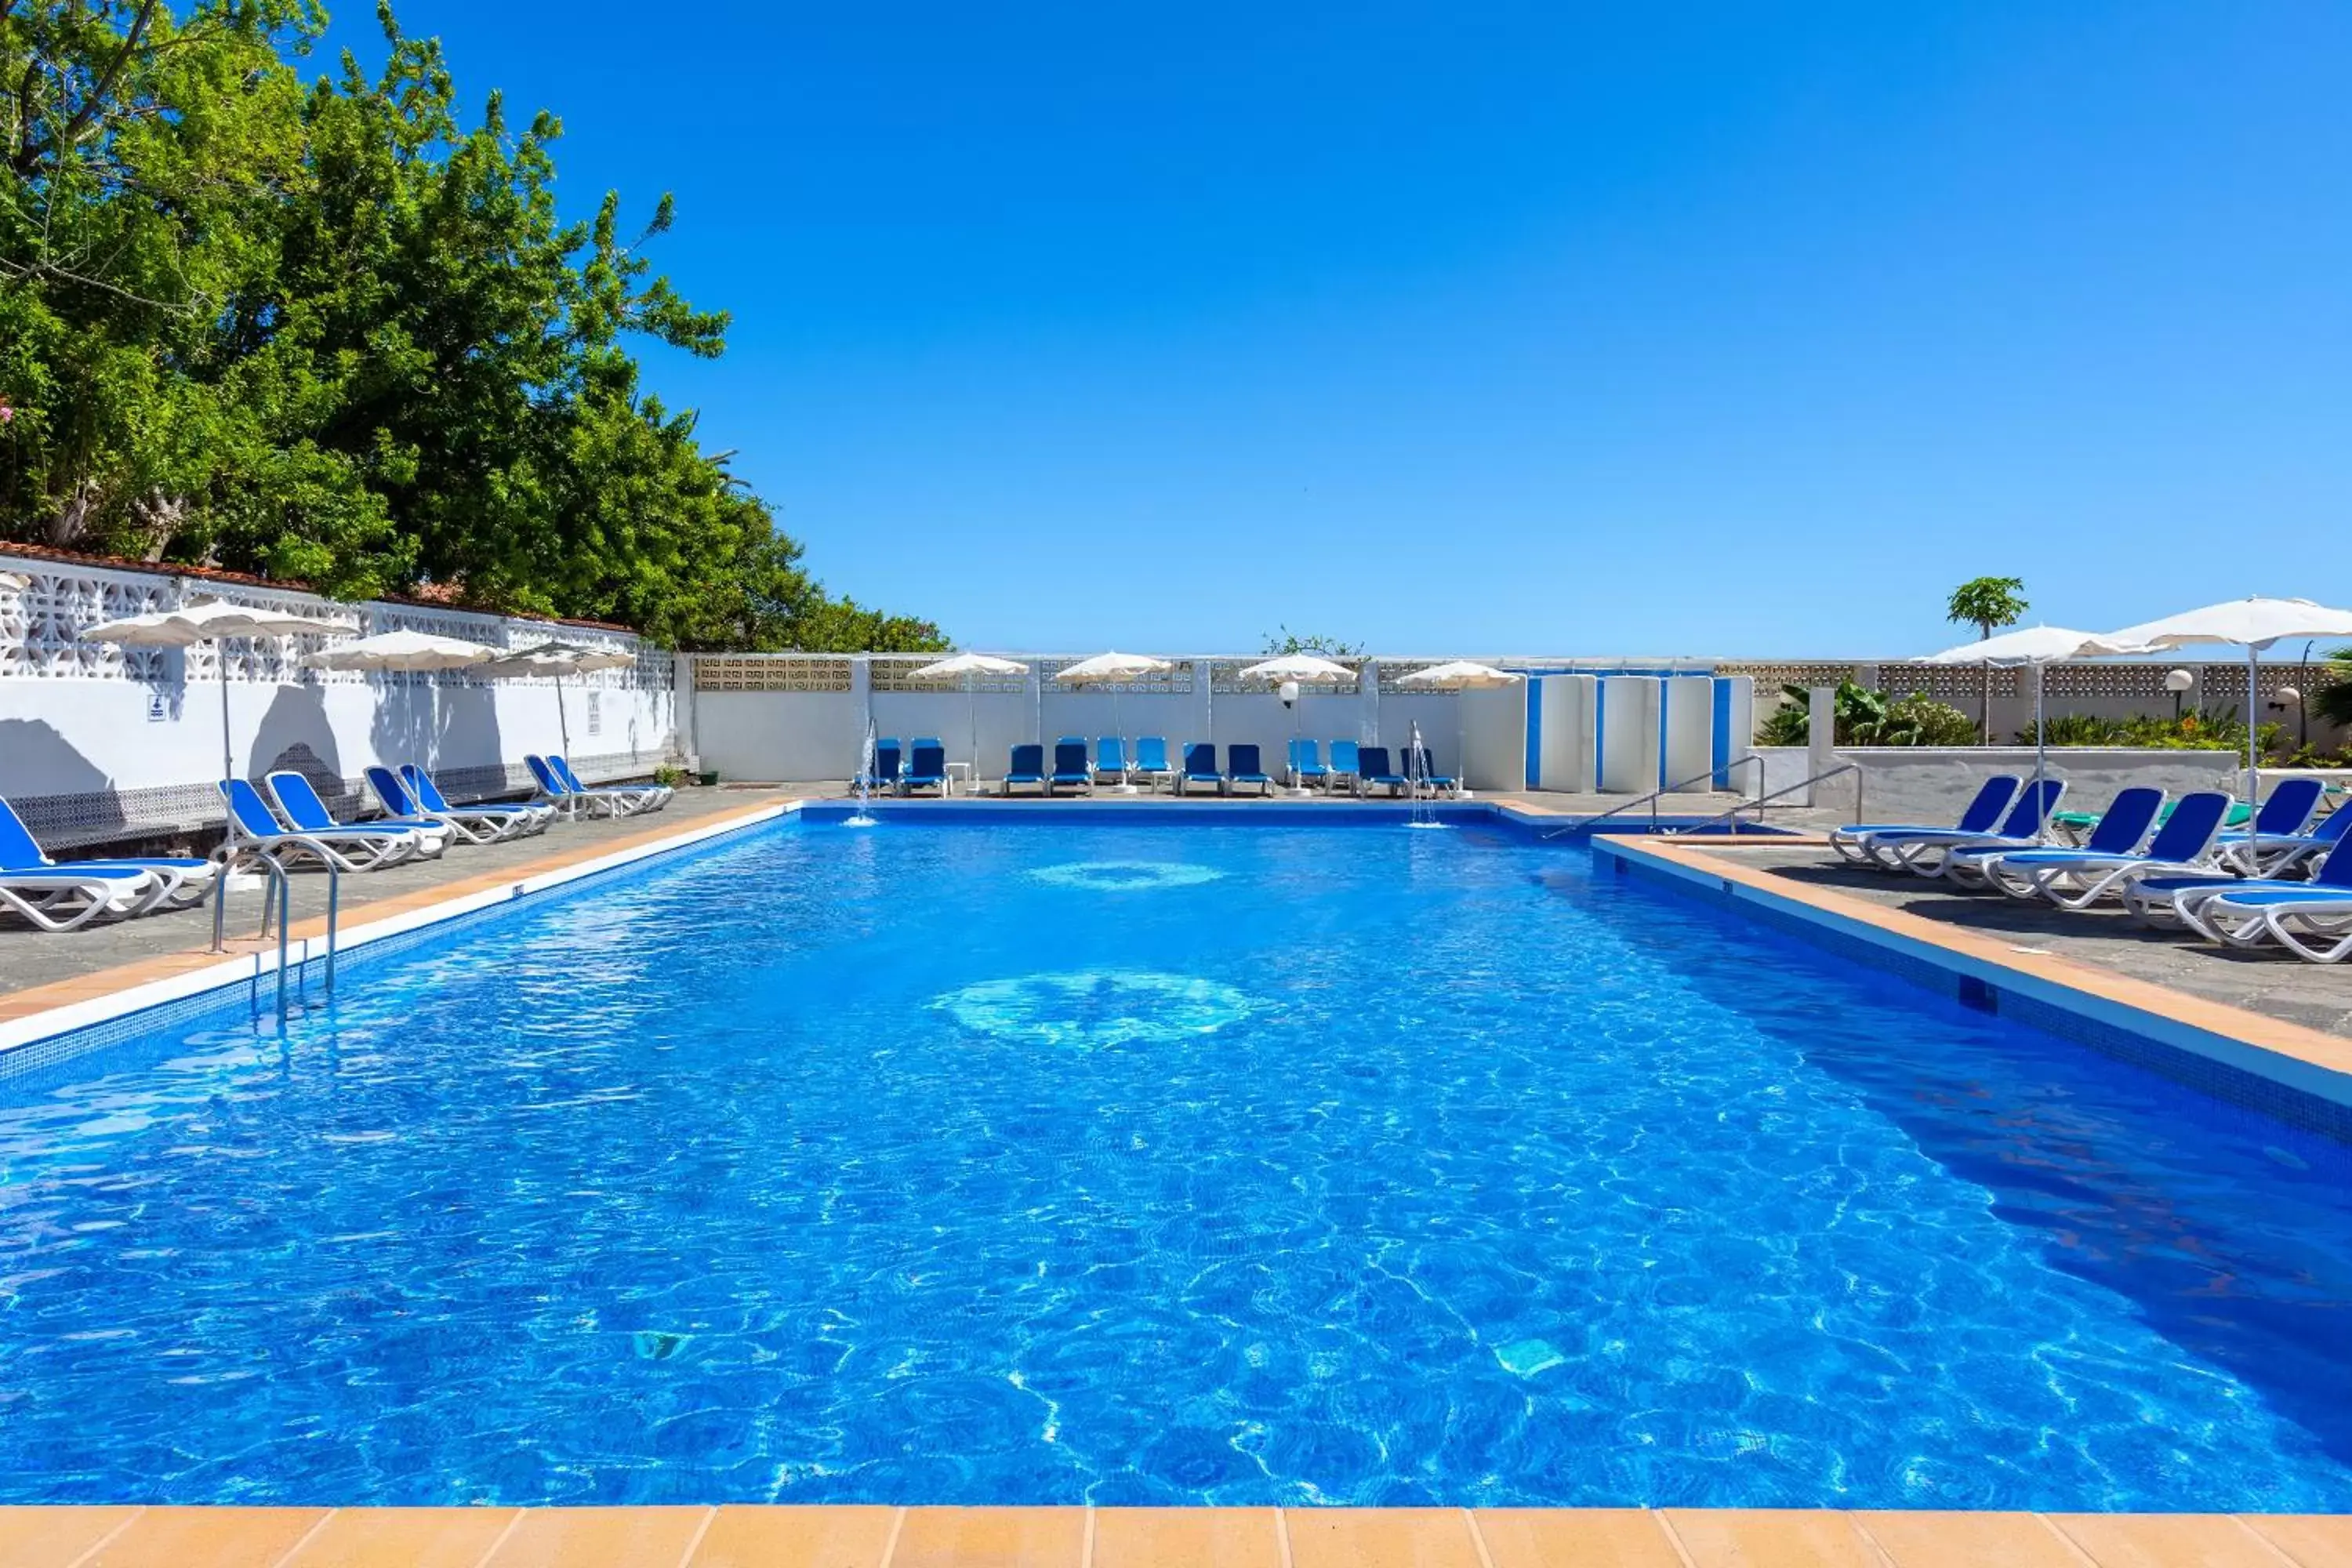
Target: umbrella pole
[
  {"x": 2253, "y": 756},
  {"x": 228, "y": 752},
  {"x": 2040, "y": 746},
  {"x": 971, "y": 701},
  {"x": 562, "y": 725}
]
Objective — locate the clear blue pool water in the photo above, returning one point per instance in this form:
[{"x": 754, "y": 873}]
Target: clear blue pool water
[{"x": 1145, "y": 1165}]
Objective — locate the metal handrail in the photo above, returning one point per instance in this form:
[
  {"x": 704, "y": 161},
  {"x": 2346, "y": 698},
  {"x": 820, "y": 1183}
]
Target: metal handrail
[
  {"x": 1761, "y": 801},
  {"x": 280, "y": 884},
  {"x": 1586, "y": 825}
]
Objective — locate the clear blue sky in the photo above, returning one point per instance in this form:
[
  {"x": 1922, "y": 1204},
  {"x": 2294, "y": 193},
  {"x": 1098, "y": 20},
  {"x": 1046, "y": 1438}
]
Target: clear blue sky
[{"x": 1589, "y": 327}]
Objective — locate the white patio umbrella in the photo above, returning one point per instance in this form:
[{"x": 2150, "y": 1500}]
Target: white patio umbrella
[
  {"x": 1460, "y": 675},
  {"x": 1113, "y": 669},
  {"x": 2035, "y": 646},
  {"x": 1303, "y": 670},
  {"x": 401, "y": 650},
  {"x": 2253, "y": 625},
  {"x": 213, "y": 621},
  {"x": 963, "y": 667},
  {"x": 557, "y": 660}
]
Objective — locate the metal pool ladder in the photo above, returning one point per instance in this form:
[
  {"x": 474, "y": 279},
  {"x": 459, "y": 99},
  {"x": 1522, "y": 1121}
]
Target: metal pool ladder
[{"x": 278, "y": 891}]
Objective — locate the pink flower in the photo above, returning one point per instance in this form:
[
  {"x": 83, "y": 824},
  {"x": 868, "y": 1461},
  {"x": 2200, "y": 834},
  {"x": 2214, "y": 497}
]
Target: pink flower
[{"x": 7, "y": 413}]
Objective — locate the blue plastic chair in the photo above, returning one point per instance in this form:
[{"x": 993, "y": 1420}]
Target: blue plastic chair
[
  {"x": 926, "y": 767},
  {"x": 1346, "y": 763},
  {"x": 1070, "y": 766},
  {"x": 1244, "y": 767},
  {"x": 1374, "y": 772},
  {"x": 1027, "y": 767},
  {"x": 1200, "y": 767}
]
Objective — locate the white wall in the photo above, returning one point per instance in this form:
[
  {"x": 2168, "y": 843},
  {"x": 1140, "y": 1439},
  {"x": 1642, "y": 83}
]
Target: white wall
[
  {"x": 99, "y": 741},
  {"x": 1931, "y": 784}
]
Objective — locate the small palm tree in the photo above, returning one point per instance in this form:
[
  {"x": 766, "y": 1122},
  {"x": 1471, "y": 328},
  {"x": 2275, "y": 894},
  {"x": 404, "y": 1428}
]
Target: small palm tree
[
  {"x": 2333, "y": 701},
  {"x": 1987, "y": 603}
]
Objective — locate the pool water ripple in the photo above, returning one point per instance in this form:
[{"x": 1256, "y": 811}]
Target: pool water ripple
[{"x": 1390, "y": 1169}]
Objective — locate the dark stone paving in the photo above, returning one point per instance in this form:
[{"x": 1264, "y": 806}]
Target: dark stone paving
[
  {"x": 30, "y": 957},
  {"x": 2278, "y": 984}
]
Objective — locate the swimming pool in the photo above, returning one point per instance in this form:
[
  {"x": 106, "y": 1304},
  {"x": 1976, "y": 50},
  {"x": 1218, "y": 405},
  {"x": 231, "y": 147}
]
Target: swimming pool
[{"x": 1081, "y": 1161}]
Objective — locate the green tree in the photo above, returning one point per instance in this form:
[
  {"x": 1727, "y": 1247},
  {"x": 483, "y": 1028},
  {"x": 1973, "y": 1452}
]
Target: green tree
[
  {"x": 1987, "y": 603},
  {"x": 1282, "y": 641},
  {"x": 330, "y": 332}
]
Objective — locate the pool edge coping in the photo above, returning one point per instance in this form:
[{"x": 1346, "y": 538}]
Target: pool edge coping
[
  {"x": 2292, "y": 1056},
  {"x": 124, "y": 991}
]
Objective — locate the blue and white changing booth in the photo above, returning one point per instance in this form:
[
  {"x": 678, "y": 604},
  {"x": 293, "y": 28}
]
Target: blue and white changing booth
[{"x": 1630, "y": 734}]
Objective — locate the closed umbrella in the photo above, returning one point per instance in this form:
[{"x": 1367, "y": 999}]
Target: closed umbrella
[
  {"x": 963, "y": 667},
  {"x": 1114, "y": 670},
  {"x": 1300, "y": 669},
  {"x": 2035, "y": 646},
  {"x": 555, "y": 660},
  {"x": 2251, "y": 624},
  {"x": 212, "y": 621},
  {"x": 1459, "y": 674}
]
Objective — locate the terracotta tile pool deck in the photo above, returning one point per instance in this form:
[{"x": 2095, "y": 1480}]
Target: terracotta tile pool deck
[
  {"x": 1077, "y": 1537},
  {"x": 855, "y": 1537}
]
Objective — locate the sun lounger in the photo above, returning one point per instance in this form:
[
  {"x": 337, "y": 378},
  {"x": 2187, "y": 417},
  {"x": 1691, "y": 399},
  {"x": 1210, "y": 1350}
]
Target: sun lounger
[
  {"x": 1027, "y": 767},
  {"x": 2281, "y": 822},
  {"x": 554, "y": 787},
  {"x": 2311, "y": 919},
  {"x": 1922, "y": 849},
  {"x": 1374, "y": 771},
  {"x": 888, "y": 758},
  {"x": 253, "y": 826},
  {"x": 1243, "y": 767},
  {"x": 1347, "y": 765},
  {"x": 180, "y": 882},
  {"x": 1306, "y": 765},
  {"x": 2182, "y": 900},
  {"x": 1421, "y": 766},
  {"x": 298, "y": 802},
  {"x": 2077, "y": 879},
  {"x": 56, "y": 897},
  {"x": 1151, "y": 760},
  {"x": 430, "y": 802},
  {"x": 2118, "y": 832},
  {"x": 1200, "y": 767},
  {"x": 1070, "y": 766},
  {"x": 926, "y": 767},
  {"x": 1992, "y": 797},
  {"x": 1110, "y": 758},
  {"x": 394, "y": 799},
  {"x": 651, "y": 796}
]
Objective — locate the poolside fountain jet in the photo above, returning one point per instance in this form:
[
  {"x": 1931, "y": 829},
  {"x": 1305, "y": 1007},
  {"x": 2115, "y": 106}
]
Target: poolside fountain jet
[
  {"x": 863, "y": 781},
  {"x": 1416, "y": 779}
]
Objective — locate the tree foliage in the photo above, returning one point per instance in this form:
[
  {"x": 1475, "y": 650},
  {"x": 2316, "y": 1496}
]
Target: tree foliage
[
  {"x": 1861, "y": 716},
  {"x": 1282, "y": 641},
  {"x": 329, "y": 330}
]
